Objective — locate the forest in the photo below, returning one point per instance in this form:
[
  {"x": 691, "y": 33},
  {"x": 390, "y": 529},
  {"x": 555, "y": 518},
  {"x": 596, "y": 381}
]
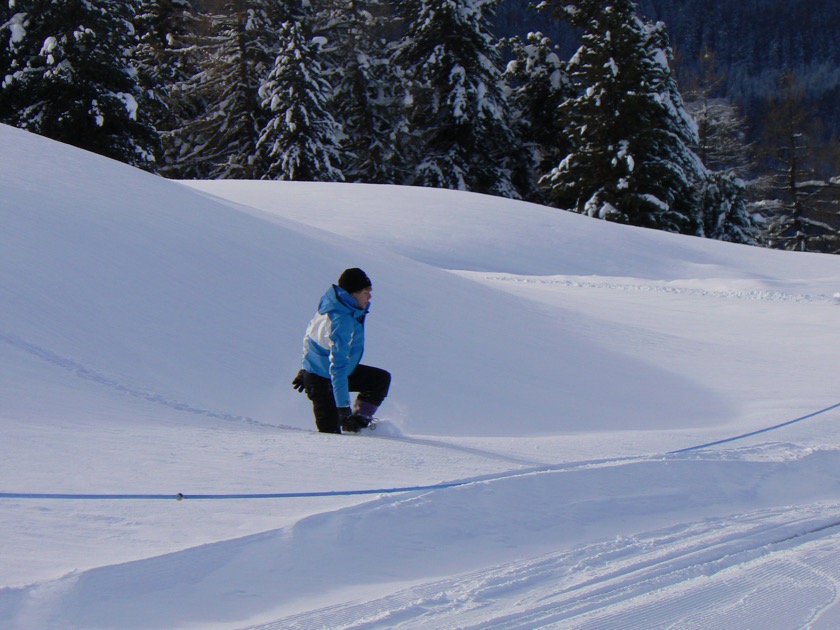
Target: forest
[
  {"x": 690, "y": 117},
  {"x": 753, "y": 44}
]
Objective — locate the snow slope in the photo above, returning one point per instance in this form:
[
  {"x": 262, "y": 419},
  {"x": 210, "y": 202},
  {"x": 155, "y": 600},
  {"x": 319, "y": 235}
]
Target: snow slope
[{"x": 545, "y": 363}]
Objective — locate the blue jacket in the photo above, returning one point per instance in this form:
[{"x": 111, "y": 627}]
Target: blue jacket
[{"x": 335, "y": 341}]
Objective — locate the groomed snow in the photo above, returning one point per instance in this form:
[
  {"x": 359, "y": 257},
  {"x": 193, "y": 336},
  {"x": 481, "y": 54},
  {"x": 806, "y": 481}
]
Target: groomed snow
[{"x": 546, "y": 363}]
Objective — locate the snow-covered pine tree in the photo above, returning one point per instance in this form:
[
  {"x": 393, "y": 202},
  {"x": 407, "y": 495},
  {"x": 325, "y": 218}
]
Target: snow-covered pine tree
[
  {"x": 9, "y": 32},
  {"x": 631, "y": 162},
  {"x": 300, "y": 139},
  {"x": 538, "y": 84},
  {"x": 365, "y": 100},
  {"x": 726, "y": 214},
  {"x": 167, "y": 59},
  {"x": 455, "y": 104},
  {"x": 68, "y": 74},
  {"x": 238, "y": 49}
]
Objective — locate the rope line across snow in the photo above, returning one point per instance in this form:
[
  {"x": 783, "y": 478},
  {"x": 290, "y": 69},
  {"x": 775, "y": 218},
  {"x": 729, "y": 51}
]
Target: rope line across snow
[
  {"x": 336, "y": 493},
  {"x": 752, "y": 433},
  {"x": 194, "y": 497}
]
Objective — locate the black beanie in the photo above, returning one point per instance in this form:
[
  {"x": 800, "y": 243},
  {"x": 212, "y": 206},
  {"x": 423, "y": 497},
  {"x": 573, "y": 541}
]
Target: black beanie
[{"x": 353, "y": 280}]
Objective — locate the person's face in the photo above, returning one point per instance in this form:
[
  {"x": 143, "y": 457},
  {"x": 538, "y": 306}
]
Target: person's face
[{"x": 363, "y": 297}]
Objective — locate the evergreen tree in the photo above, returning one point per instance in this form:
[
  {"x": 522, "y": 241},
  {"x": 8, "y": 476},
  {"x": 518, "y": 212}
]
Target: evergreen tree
[
  {"x": 539, "y": 84},
  {"x": 300, "y": 140},
  {"x": 238, "y": 50},
  {"x": 68, "y": 74},
  {"x": 631, "y": 162},
  {"x": 164, "y": 27},
  {"x": 455, "y": 105},
  {"x": 365, "y": 100},
  {"x": 167, "y": 59},
  {"x": 9, "y": 33},
  {"x": 726, "y": 215}
]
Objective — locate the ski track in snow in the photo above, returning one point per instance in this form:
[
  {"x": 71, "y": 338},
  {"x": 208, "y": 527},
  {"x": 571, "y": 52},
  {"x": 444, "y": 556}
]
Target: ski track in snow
[
  {"x": 386, "y": 430},
  {"x": 92, "y": 375},
  {"x": 719, "y": 573}
]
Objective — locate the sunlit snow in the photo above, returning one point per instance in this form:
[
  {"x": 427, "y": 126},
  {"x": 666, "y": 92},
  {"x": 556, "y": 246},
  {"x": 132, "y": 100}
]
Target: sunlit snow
[{"x": 546, "y": 368}]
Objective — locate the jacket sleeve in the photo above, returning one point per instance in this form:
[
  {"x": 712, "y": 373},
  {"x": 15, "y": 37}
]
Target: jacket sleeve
[{"x": 341, "y": 336}]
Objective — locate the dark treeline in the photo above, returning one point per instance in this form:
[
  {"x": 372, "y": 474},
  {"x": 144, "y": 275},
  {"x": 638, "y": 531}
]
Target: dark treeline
[
  {"x": 755, "y": 45},
  {"x": 596, "y": 114}
]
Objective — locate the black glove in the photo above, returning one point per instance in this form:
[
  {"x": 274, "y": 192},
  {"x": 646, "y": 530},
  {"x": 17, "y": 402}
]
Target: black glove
[
  {"x": 348, "y": 420},
  {"x": 297, "y": 383}
]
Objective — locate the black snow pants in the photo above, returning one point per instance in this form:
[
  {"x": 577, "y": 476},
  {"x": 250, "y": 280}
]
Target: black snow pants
[{"x": 372, "y": 384}]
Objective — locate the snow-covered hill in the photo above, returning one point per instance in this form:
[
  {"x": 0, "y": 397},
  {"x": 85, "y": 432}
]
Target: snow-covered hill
[{"x": 546, "y": 363}]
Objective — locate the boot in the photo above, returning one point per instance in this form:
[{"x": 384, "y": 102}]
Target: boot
[{"x": 363, "y": 411}]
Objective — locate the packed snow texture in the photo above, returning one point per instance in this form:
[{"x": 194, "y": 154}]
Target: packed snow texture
[{"x": 546, "y": 367}]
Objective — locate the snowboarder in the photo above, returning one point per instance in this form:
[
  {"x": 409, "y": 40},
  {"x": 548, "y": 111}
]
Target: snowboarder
[{"x": 332, "y": 349}]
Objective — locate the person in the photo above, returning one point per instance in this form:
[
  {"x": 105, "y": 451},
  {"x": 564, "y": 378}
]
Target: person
[{"x": 332, "y": 350}]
